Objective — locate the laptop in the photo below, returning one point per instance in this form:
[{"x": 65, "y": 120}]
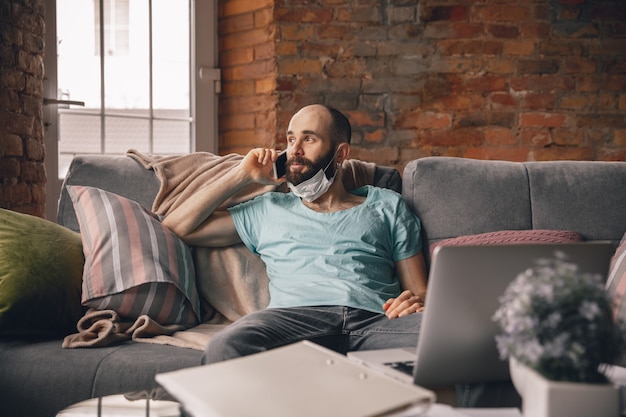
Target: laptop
[{"x": 457, "y": 336}]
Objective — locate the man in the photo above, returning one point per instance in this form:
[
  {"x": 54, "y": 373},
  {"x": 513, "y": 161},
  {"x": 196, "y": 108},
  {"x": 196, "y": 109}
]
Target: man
[{"x": 346, "y": 269}]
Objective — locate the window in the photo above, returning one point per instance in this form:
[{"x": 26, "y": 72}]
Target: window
[{"x": 142, "y": 92}]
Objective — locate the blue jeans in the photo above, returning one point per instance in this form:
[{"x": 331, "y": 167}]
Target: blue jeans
[{"x": 341, "y": 329}]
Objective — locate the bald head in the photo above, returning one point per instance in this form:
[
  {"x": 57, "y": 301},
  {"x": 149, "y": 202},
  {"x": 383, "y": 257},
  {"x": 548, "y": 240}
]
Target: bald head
[{"x": 337, "y": 123}]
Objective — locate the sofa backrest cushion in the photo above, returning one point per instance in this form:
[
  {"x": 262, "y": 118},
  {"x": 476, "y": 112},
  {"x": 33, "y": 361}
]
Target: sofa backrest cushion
[
  {"x": 586, "y": 196},
  {"x": 459, "y": 196},
  {"x": 117, "y": 174}
]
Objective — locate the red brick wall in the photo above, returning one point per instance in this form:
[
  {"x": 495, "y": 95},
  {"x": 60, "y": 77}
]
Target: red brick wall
[
  {"x": 491, "y": 79},
  {"x": 22, "y": 172}
]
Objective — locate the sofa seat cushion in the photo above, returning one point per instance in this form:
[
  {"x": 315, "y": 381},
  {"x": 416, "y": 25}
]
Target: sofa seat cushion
[
  {"x": 40, "y": 276},
  {"x": 40, "y": 378},
  {"x": 133, "y": 264}
]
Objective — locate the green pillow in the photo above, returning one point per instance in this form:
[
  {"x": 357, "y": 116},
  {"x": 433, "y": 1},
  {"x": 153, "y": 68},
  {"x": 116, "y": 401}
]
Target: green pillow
[{"x": 41, "y": 266}]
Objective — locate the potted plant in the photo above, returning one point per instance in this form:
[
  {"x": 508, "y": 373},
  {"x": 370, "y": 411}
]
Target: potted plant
[{"x": 558, "y": 332}]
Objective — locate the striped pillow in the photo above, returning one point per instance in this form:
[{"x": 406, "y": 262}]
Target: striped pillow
[
  {"x": 133, "y": 264},
  {"x": 616, "y": 281}
]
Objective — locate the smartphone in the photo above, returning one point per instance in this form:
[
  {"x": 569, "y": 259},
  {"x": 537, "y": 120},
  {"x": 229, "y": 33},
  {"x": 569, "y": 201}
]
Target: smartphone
[{"x": 279, "y": 165}]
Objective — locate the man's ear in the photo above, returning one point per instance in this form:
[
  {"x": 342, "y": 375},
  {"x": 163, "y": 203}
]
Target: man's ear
[{"x": 343, "y": 150}]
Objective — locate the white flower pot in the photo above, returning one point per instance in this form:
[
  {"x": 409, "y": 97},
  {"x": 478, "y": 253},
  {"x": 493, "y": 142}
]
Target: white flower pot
[{"x": 542, "y": 397}]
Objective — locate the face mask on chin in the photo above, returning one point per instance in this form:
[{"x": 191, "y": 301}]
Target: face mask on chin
[{"x": 311, "y": 189}]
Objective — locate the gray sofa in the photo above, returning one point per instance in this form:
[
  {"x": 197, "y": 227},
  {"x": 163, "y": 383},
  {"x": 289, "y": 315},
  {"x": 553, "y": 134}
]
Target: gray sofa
[{"x": 452, "y": 196}]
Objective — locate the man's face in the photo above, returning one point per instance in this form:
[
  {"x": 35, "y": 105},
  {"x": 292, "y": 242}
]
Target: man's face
[{"x": 309, "y": 147}]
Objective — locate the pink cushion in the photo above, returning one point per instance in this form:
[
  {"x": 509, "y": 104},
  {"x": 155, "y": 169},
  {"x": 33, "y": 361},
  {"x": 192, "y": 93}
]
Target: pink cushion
[
  {"x": 133, "y": 264},
  {"x": 511, "y": 237}
]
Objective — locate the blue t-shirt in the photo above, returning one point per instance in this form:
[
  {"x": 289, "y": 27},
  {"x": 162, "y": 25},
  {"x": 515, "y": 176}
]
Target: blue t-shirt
[{"x": 342, "y": 258}]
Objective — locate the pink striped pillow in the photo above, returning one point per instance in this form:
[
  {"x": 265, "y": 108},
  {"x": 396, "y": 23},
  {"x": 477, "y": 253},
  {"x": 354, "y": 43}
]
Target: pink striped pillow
[{"x": 133, "y": 264}]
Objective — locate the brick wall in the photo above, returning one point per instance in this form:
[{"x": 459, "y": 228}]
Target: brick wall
[
  {"x": 22, "y": 172},
  {"x": 489, "y": 79},
  {"x": 247, "y": 58}
]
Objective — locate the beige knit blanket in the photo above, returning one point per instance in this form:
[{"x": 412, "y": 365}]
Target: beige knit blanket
[{"x": 231, "y": 281}]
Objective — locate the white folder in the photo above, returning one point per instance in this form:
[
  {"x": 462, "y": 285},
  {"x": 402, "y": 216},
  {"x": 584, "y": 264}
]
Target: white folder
[{"x": 302, "y": 379}]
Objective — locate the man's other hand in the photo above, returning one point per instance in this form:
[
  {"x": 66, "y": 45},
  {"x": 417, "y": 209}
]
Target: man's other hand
[{"x": 403, "y": 305}]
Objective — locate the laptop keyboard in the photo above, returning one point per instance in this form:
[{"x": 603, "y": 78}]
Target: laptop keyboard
[{"x": 402, "y": 366}]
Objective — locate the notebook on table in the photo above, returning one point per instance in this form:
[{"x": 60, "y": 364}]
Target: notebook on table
[
  {"x": 302, "y": 379},
  {"x": 457, "y": 335}
]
